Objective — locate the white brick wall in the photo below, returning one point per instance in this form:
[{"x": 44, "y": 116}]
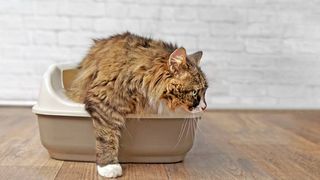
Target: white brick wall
[{"x": 256, "y": 53}]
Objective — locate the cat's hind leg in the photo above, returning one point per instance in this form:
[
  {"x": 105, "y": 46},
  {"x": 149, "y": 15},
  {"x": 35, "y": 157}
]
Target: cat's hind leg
[
  {"x": 107, "y": 125},
  {"x": 107, "y": 147}
]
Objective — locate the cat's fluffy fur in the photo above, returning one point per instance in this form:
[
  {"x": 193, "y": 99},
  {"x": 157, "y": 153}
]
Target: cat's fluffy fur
[{"x": 126, "y": 74}]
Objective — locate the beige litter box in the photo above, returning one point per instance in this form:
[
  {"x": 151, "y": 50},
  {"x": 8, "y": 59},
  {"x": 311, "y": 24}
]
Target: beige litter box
[{"x": 66, "y": 129}]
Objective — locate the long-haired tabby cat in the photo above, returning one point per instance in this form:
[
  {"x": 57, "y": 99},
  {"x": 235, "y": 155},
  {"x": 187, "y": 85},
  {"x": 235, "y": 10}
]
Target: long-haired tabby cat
[{"x": 126, "y": 74}]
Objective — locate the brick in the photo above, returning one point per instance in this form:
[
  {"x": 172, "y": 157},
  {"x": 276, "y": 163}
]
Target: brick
[
  {"x": 247, "y": 90},
  {"x": 247, "y": 60},
  {"x": 221, "y": 14},
  {"x": 15, "y": 94},
  {"x": 91, "y": 9},
  {"x": 221, "y": 44},
  {"x": 146, "y": 28},
  {"x": 185, "y": 13},
  {"x": 219, "y": 89},
  {"x": 259, "y": 101},
  {"x": 82, "y": 23},
  {"x": 16, "y": 7},
  {"x": 107, "y": 24},
  {"x": 258, "y": 15},
  {"x": 263, "y": 45},
  {"x": 301, "y": 46},
  {"x": 292, "y": 17},
  {"x": 190, "y": 43},
  {"x": 185, "y": 28},
  {"x": 301, "y": 103},
  {"x": 12, "y": 52},
  {"x": 76, "y": 38},
  {"x": 144, "y": 12},
  {"x": 265, "y": 30},
  {"x": 1, "y": 54},
  {"x": 316, "y": 92},
  {"x": 116, "y": 10},
  {"x": 312, "y": 18},
  {"x": 295, "y": 62},
  {"x": 14, "y": 37},
  {"x": 44, "y": 37},
  {"x": 234, "y": 3},
  {"x": 78, "y": 53},
  {"x": 305, "y": 31},
  {"x": 210, "y": 71},
  {"x": 124, "y": 1},
  {"x": 216, "y": 56},
  {"x": 47, "y": 22},
  {"x": 286, "y": 77},
  {"x": 182, "y": 2},
  {"x": 11, "y": 22},
  {"x": 313, "y": 78},
  {"x": 268, "y": 15},
  {"x": 225, "y": 29},
  {"x": 238, "y": 75},
  {"x": 23, "y": 68},
  {"x": 289, "y": 91},
  {"x": 46, "y": 7},
  {"x": 116, "y": 26},
  {"x": 47, "y": 53},
  {"x": 167, "y": 13},
  {"x": 218, "y": 101}
]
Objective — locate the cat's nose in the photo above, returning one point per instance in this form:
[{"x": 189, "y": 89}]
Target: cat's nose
[{"x": 203, "y": 105}]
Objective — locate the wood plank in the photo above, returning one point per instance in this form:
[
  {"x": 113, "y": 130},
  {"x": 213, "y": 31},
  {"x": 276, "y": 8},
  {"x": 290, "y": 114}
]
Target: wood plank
[
  {"x": 77, "y": 170},
  {"x": 144, "y": 172},
  {"x": 21, "y": 153}
]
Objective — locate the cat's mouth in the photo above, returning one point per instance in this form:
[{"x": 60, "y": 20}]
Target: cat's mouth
[{"x": 194, "y": 110}]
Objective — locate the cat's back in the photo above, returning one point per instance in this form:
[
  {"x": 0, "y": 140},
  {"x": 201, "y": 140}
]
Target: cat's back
[{"x": 128, "y": 47}]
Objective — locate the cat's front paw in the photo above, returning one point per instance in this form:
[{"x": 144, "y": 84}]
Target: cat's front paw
[{"x": 110, "y": 170}]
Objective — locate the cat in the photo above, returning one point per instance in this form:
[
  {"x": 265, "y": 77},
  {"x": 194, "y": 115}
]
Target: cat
[{"x": 127, "y": 73}]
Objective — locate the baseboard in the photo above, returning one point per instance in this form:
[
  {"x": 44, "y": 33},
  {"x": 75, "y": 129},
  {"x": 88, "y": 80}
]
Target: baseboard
[
  {"x": 16, "y": 103},
  {"x": 262, "y": 107}
]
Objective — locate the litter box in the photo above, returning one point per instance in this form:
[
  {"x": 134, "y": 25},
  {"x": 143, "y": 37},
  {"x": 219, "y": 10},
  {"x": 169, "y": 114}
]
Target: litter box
[{"x": 66, "y": 129}]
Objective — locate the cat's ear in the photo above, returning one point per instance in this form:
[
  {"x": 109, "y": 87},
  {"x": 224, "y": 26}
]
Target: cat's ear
[
  {"x": 195, "y": 57},
  {"x": 177, "y": 58}
]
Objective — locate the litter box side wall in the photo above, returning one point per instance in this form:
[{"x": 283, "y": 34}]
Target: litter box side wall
[
  {"x": 67, "y": 138},
  {"x": 144, "y": 140}
]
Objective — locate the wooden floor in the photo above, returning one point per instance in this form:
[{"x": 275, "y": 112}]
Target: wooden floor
[{"x": 229, "y": 145}]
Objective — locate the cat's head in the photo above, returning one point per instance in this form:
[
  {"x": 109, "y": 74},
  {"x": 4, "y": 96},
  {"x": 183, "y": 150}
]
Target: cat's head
[{"x": 187, "y": 85}]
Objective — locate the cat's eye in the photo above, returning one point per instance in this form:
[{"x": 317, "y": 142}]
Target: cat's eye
[{"x": 194, "y": 93}]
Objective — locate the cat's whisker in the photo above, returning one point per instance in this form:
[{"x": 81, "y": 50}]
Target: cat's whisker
[
  {"x": 199, "y": 129},
  {"x": 127, "y": 130},
  {"x": 193, "y": 128},
  {"x": 193, "y": 122},
  {"x": 189, "y": 127},
  {"x": 185, "y": 123},
  {"x": 179, "y": 135},
  {"x": 181, "y": 132}
]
